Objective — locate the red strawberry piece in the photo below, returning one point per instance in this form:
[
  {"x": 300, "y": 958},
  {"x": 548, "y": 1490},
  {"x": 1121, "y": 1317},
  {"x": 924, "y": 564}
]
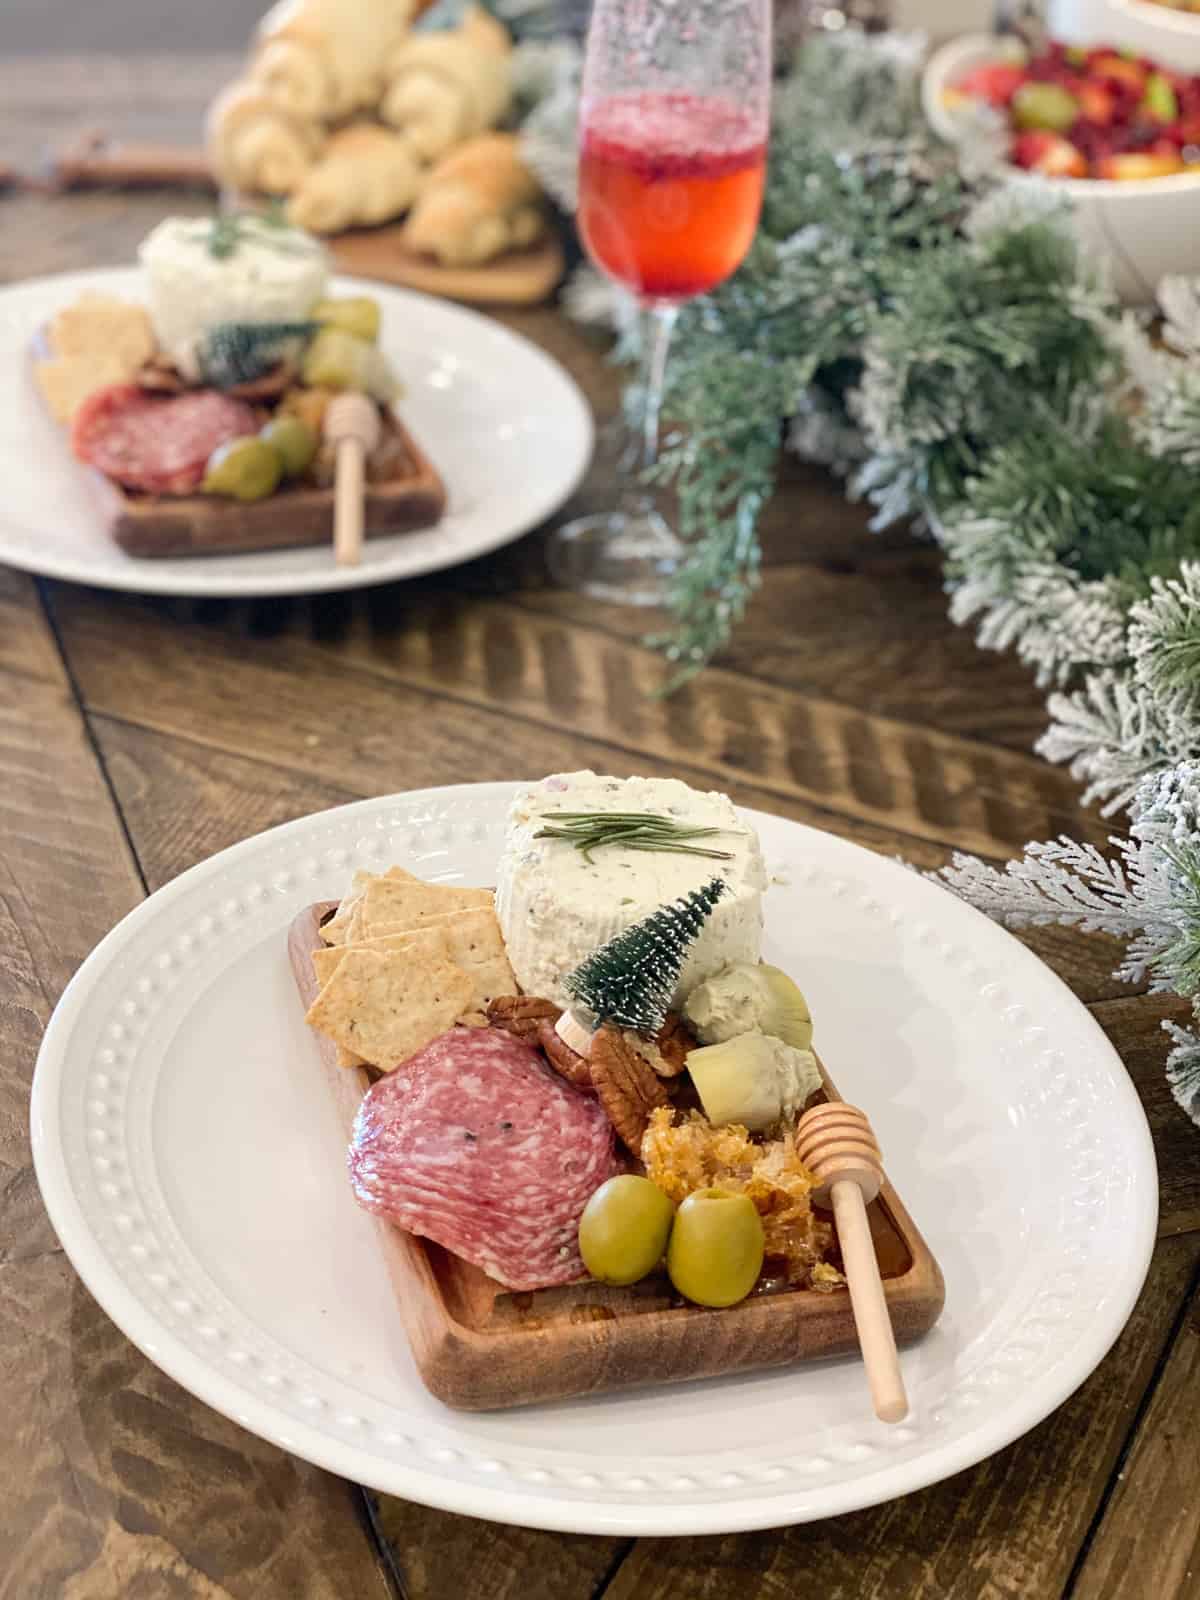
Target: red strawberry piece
[
  {"x": 1096, "y": 102},
  {"x": 996, "y": 83},
  {"x": 1050, "y": 154},
  {"x": 1116, "y": 69}
]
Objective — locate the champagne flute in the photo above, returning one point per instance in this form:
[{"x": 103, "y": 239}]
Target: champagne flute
[{"x": 674, "y": 122}]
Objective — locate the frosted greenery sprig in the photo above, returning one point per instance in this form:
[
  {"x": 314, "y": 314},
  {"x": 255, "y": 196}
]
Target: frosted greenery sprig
[{"x": 1146, "y": 892}]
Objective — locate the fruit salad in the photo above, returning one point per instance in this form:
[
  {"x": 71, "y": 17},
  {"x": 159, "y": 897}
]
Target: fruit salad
[{"x": 1091, "y": 113}]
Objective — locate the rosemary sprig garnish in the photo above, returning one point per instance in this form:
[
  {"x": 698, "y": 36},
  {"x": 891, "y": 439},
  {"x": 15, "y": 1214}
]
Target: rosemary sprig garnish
[
  {"x": 229, "y": 229},
  {"x": 633, "y": 830},
  {"x": 224, "y": 236}
]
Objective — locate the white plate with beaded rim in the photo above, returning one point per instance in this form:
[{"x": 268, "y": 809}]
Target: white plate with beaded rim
[
  {"x": 508, "y": 429},
  {"x": 191, "y": 1161}
]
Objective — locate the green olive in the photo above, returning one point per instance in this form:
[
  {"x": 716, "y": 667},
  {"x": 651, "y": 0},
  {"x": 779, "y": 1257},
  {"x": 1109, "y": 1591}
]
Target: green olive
[
  {"x": 624, "y": 1228},
  {"x": 358, "y": 314},
  {"x": 1044, "y": 105},
  {"x": 293, "y": 441},
  {"x": 716, "y": 1249},
  {"x": 244, "y": 469}
]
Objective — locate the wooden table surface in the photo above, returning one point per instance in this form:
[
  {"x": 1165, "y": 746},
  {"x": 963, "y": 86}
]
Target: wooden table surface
[{"x": 138, "y": 736}]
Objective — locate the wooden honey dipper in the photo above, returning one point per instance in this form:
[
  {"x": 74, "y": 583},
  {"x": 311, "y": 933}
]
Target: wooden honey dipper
[
  {"x": 352, "y": 426},
  {"x": 836, "y": 1144}
]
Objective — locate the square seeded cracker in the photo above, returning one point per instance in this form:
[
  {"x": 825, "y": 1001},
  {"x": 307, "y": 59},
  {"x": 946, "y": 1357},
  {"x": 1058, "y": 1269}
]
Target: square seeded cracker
[{"x": 385, "y": 1005}]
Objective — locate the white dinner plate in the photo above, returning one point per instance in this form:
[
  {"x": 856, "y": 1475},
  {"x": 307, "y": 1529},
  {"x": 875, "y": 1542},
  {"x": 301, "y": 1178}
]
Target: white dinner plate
[
  {"x": 507, "y": 428},
  {"x": 191, "y": 1160}
]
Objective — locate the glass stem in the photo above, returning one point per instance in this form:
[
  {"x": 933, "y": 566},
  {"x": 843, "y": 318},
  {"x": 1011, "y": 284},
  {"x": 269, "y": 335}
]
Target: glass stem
[{"x": 660, "y": 323}]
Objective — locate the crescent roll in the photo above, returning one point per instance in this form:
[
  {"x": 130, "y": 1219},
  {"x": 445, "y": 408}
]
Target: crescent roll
[
  {"x": 323, "y": 58},
  {"x": 442, "y": 88},
  {"x": 478, "y": 202},
  {"x": 366, "y": 175},
  {"x": 255, "y": 144}
]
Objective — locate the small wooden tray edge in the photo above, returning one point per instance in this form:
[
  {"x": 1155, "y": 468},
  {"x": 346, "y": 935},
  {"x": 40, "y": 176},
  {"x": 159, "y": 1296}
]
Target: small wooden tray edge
[{"x": 472, "y": 1371}]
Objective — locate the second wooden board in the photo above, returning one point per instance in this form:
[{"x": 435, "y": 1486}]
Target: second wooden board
[{"x": 520, "y": 278}]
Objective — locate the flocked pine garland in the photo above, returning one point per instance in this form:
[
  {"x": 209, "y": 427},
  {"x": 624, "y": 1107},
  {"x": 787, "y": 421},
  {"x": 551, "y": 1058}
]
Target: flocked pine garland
[{"x": 939, "y": 339}]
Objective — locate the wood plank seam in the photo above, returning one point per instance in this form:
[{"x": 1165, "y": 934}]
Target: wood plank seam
[
  {"x": 368, "y": 1508},
  {"x": 196, "y": 742},
  {"x": 1177, "y": 1328},
  {"x": 620, "y": 1555},
  {"x": 89, "y": 732}
]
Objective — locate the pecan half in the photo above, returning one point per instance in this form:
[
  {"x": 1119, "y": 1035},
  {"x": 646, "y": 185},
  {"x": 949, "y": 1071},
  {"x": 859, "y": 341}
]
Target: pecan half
[
  {"x": 674, "y": 1042},
  {"x": 270, "y": 385},
  {"x": 574, "y": 1068},
  {"x": 626, "y": 1085},
  {"x": 160, "y": 377},
  {"x": 520, "y": 1014}
]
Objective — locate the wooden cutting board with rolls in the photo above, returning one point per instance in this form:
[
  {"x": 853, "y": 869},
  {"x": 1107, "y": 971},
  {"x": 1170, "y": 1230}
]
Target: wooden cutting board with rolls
[{"x": 392, "y": 142}]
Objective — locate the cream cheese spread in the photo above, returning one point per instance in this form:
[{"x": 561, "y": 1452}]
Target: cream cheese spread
[
  {"x": 271, "y": 274},
  {"x": 556, "y": 908}
]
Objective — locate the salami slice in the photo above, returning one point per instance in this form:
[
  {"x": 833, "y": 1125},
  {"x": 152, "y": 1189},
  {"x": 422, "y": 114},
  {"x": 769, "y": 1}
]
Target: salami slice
[
  {"x": 476, "y": 1144},
  {"x": 157, "y": 443}
]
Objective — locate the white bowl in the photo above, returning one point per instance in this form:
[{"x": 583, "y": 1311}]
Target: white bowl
[
  {"x": 1171, "y": 37},
  {"x": 1144, "y": 228}
]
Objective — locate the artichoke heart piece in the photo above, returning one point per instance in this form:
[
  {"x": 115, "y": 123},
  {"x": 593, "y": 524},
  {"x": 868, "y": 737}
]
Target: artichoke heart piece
[
  {"x": 753, "y": 1079},
  {"x": 745, "y": 998},
  {"x": 339, "y": 360}
]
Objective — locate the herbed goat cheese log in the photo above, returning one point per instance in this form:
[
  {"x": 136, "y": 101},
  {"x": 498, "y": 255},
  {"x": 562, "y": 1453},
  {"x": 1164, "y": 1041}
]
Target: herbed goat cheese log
[{"x": 556, "y": 907}]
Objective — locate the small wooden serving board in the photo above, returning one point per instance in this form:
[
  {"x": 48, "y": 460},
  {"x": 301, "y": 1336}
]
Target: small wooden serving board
[
  {"x": 160, "y": 526},
  {"x": 200, "y": 524},
  {"x": 480, "y": 1347}
]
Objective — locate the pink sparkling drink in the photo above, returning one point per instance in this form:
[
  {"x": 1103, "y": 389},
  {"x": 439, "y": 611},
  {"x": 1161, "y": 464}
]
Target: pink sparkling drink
[{"x": 670, "y": 187}]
